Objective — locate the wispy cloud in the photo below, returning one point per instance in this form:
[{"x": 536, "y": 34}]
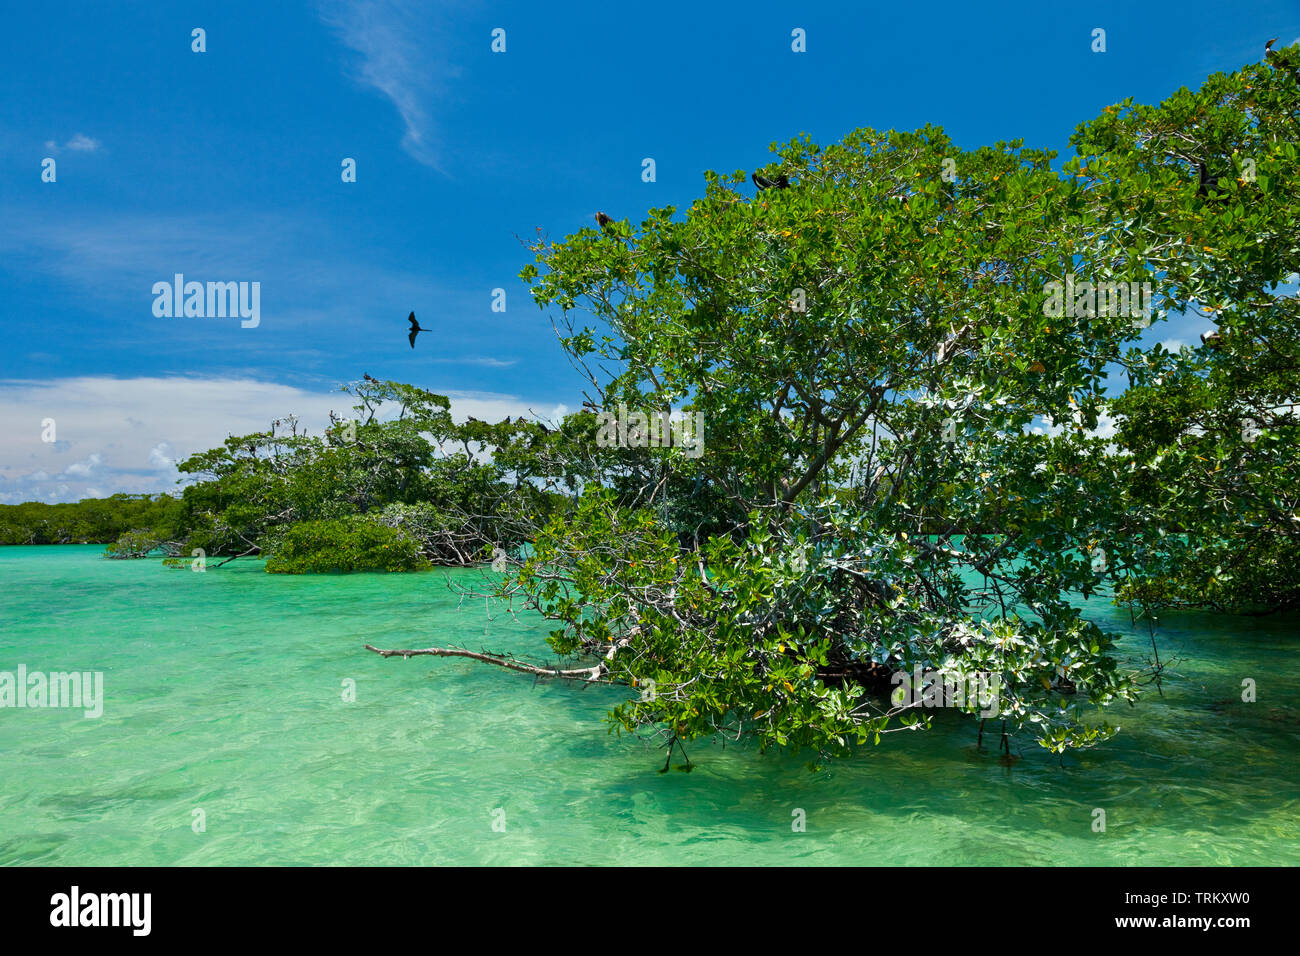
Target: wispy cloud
[
  {"x": 397, "y": 44},
  {"x": 474, "y": 360},
  {"x": 117, "y": 258},
  {"x": 80, "y": 143}
]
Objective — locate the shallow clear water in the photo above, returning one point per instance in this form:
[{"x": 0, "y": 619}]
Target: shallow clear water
[{"x": 224, "y": 692}]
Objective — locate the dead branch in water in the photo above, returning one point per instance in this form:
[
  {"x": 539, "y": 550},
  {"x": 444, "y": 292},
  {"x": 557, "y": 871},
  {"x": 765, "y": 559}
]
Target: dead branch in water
[{"x": 594, "y": 674}]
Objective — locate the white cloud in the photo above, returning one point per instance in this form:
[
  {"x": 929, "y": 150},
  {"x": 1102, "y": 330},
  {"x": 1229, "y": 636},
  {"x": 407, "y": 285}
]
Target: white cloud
[
  {"x": 160, "y": 456},
  {"x": 80, "y": 143},
  {"x": 82, "y": 469},
  {"x": 395, "y": 41},
  {"x": 126, "y": 435}
]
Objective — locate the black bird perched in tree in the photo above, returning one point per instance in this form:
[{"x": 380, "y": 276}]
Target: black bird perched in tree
[
  {"x": 604, "y": 221},
  {"x": 1270, "y": 53},
  {"x": 366, "y": 376},
  {"x": 1211, "y": 339},
  {"x": 1207, "y": 182},
  {"x": 762, "y": 182},
  {"x": 415, "y": 329}
]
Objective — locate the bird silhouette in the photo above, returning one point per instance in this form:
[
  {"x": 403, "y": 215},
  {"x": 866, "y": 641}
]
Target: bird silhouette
[
  {"x": 762, "y": 182},
  {"x": 366, "y": 376},
  {"x": 415, "y": 329},
  {"x": 604, "y": 221}
]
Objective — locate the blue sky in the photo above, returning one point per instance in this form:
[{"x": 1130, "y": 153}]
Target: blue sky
[{"x": 225, "y": 165}]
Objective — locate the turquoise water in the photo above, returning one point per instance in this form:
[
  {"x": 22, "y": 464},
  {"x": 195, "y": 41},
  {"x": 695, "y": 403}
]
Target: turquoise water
[{"x": 224, "y": 693}]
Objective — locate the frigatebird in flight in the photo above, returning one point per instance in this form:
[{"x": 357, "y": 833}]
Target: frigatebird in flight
[{"x": 415, "y": 329}]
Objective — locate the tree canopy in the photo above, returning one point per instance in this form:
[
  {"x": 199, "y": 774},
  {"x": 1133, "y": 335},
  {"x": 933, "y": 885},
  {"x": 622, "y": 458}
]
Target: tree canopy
[{"x": 902, "y": 462}]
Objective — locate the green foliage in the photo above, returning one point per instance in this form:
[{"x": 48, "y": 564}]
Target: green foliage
[
  {"x": 1212, "y": 433},
  {"x": 90, "y": 521},
  {"x": 878, "y": 497},
  {"x": 137, "y": 544},
  {"x": 392, "y": 471},
  {"x": 850, "y": 539},
  {"x": 344, "y": 545}
]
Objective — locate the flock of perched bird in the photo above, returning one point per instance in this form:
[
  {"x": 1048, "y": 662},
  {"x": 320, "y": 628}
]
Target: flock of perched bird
[
  {"x": 762, "y": 182},
  {"x": 1205, "y": 185}
]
